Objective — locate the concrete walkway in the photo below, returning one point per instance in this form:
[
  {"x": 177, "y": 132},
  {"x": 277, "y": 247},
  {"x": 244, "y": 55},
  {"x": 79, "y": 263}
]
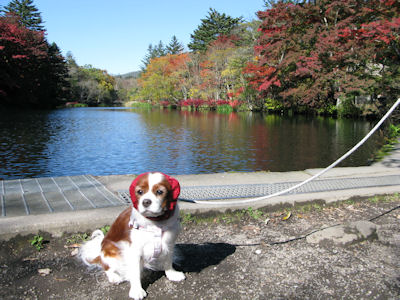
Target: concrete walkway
[{"x": 80, "y": 203}]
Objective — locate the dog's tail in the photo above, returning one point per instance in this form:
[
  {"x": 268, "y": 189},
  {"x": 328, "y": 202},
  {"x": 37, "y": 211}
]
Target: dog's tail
[{"x": 91, "y": 250}]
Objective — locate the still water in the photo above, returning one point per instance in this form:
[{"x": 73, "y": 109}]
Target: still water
[{"x": 103, "y": 141}]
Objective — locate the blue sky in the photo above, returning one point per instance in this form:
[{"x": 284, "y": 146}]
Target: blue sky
[{"x": 115, "y": 35}]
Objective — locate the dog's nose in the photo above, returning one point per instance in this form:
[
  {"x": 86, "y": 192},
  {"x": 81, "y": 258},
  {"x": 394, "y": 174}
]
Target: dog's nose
[{"x": 146, "y": 202}]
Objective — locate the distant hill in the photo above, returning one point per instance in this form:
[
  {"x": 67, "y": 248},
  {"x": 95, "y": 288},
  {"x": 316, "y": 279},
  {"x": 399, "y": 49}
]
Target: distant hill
[{"x": 134, "y": 74}]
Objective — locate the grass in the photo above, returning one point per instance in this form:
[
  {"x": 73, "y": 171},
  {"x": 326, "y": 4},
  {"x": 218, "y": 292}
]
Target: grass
[
  {"x": 142, "y": 105},
  {"x": 384, "y": 199},
  {"x": 284, "y": 213},
  {"x": 78, "y": 238},
  {"x": 37, "y": 242},
  {"x": 105, "y": 229},
  {"x": 227, "y": 217},
  {"x": 225, "y": 108},
  {"x": 391, "y": 139}
]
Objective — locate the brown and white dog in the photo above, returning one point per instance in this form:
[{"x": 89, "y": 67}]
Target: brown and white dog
[{"x": 143, "y": 235}]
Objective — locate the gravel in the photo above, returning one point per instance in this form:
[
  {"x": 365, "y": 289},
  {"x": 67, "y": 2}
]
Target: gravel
[{"x": 244, "y": 255}]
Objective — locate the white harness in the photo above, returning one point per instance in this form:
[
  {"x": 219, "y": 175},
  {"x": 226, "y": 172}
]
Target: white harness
[{"x": 157, "y": 236}]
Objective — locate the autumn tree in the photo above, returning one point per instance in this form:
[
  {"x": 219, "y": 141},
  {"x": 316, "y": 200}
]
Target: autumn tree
[
  {"x": 216, "y": 62},
  {"x": 316, "y": 53},
  {"x": 164, "y": 79},
  {"x": 28, "y": 14},
  {"x": 32, "y": 72},
  {"x": 214, "y": 25}
]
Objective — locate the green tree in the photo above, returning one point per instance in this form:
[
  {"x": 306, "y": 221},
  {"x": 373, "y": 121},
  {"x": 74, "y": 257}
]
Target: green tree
[
  {"x": 160, "y": 49},
  {"x": 174, "y": 46},
  {"x": 214, "y": 25},
  {"x": 153, "y": 52},
  {"x": 89, "y": 85},
  {"x": 28, "y": 14},
  {"x": 54, "y": 73}
]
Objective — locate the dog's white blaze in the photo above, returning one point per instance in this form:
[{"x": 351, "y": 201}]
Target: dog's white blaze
[
  {"x": 154, "y": 178},
  {"x": 155, "y": 206}
]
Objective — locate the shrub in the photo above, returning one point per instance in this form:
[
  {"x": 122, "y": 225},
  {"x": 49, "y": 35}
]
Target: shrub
[{"x": 346, "y": 108}]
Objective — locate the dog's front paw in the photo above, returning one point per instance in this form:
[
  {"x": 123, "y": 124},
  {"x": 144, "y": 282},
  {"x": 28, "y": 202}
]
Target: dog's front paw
[
  {"x": 137, "y": 293},
  {"x": 114, "y": 277},
  {"x": 175, "y": 275}
]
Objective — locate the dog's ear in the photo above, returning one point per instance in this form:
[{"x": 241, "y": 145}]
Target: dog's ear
[
  {"x": 175, "y": 191},
  {"x": 175, "y": 187},
  {"x": 132, "y": 190}
]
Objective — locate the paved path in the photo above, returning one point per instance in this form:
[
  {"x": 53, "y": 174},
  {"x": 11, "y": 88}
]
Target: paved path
[
  {"x": 51, "y": 195},
  {"x": 84, "y": 202}
]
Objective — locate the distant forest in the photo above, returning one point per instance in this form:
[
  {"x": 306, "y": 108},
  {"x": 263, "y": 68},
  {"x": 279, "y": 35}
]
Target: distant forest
[{"x": 325, "y": 57}]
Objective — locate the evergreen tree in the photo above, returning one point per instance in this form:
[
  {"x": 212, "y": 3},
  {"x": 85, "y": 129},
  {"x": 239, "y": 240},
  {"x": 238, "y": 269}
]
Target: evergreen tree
[
  {"x": 214, "y": 25},
  {"x": 160, "y": 49},
  {"x": 153, "y": 52},
  {"x": 174, "y": 47},
  {"x": 27, "y": 12},
  {"x": 150, "y": 54}
]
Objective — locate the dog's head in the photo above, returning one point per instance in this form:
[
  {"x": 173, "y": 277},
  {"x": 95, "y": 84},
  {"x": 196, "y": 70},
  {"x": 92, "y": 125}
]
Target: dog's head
[{"x": 154, "y": 195}]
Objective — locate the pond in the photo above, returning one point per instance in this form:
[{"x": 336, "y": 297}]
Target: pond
[{"x": 103, "y": 141}]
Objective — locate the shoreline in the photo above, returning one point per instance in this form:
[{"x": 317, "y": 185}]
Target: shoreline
[{"x": 87, "y": 217}]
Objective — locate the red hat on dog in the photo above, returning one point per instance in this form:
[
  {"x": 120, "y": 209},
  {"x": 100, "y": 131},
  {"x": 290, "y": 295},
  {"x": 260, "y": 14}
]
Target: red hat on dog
[{"x": 175, "y": 188}]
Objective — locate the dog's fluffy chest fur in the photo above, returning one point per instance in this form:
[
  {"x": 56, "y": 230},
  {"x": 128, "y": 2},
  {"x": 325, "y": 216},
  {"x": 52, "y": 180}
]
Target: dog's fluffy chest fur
[{"x": 153, "y": 242}]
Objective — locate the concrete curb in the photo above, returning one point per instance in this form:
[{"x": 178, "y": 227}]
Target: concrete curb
[
  {"x": 88, "y": 220},
  {"x": 58, "y": 223}
]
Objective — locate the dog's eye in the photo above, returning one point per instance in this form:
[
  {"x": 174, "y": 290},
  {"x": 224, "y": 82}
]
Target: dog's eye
[
  {"x": 160, "y": 192},
  {"x": 140, "y": 192}
]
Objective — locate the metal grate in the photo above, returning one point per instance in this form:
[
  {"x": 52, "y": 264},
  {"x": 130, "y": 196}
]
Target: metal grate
[
  {"x": 223, "y": 192},
  {"x": 124, "y": 195},
  {"x": 53, "y": 194}
]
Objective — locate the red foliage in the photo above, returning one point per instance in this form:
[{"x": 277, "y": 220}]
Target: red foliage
[
  {"x": 312, "y": 53},
  {"x": 164, "y": 103},
  {"x": 192, "y": 102},
  {"x": 224, "y": 42},
  {"x": 235, "y": 103},
  {"x": 262, "y": 77},
  {"x": 23, "y": 52}
]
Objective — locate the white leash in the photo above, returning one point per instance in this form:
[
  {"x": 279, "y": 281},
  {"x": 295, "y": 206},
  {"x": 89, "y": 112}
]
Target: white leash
[{"x": 311, "y": 178}]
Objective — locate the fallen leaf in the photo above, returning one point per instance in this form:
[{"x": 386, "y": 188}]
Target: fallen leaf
[
  {"x": 30, "y": 259},
  {"x": 72, "y": 246},
  {"x": 251, "y": 228},
  {"x": 61, "y": 279},
  {"x": 75, "y": 252},
  {"x": 44, "y": 272},
  {"x": 288, "y": 215}
]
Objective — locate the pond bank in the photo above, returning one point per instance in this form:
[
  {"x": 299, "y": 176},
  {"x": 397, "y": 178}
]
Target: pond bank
[{"x": 87, "y": 219}]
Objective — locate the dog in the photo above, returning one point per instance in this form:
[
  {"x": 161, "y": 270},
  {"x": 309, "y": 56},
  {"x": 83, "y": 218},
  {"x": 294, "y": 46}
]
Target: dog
[{"x": 143, "y": 235}]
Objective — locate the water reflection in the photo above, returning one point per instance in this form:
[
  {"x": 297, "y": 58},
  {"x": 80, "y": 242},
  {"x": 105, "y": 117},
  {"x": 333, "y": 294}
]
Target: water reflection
[{"x": 103, "y": 141}]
